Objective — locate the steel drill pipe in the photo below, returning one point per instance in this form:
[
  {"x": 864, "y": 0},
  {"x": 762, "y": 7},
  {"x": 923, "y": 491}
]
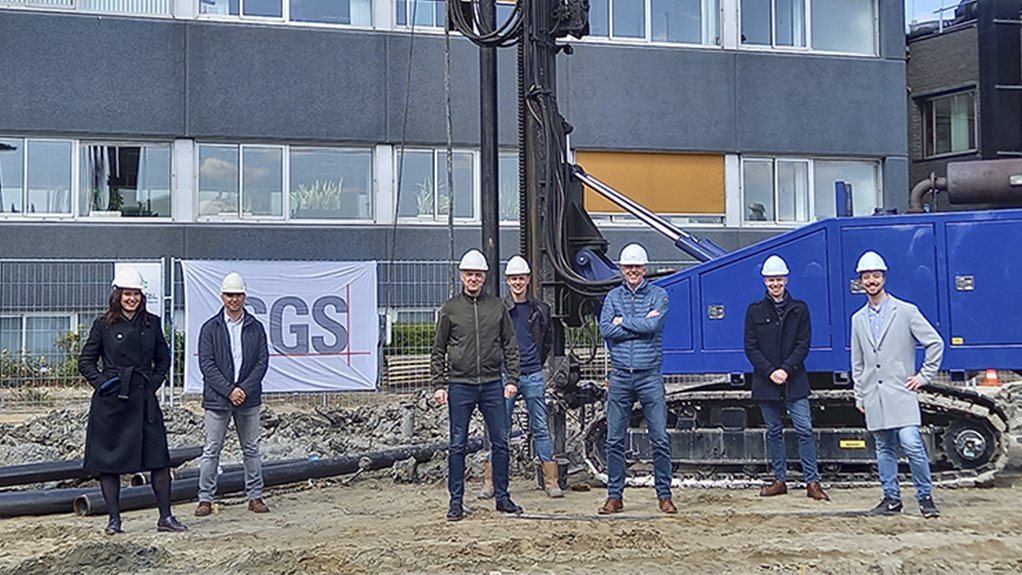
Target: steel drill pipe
[
  {"x": 64, "y": 470},
  {"x": 132, "y": 498}
]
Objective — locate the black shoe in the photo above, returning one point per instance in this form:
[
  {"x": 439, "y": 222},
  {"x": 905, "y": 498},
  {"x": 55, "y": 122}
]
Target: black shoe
[
  {"x": 508, "y": 506},
  {"x": 887, "y": 507},
  {"x": 113, "y": 526},
  {"x": 170, "y": 524},
  {"x": 456, "y": 512},
  {"x": 928, "y": 507}
]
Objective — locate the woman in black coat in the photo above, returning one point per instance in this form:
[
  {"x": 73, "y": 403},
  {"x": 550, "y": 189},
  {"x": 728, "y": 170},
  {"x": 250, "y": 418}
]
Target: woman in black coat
[{"x": 126, "y": 432}]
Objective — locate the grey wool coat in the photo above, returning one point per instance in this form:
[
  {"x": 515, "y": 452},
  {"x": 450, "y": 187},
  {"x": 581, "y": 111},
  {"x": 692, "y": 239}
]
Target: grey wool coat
[{"x": 880, "y": 368}]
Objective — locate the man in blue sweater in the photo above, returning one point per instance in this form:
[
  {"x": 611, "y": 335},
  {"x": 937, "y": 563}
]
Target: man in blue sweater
[{"x": 632, "y": 322}]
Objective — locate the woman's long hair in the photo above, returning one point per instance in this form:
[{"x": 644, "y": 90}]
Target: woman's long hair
[{"x": 114, "y": 311}]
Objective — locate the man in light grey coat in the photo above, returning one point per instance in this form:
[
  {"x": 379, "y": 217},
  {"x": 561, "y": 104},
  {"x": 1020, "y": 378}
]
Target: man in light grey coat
[{"x": 884, "y": 337}]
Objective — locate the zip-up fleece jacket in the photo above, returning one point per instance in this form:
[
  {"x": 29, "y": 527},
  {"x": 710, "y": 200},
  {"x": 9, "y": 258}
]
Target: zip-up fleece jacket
[
  {"x": 637, "y": 343},
  {"x": 474, "y": 337}
]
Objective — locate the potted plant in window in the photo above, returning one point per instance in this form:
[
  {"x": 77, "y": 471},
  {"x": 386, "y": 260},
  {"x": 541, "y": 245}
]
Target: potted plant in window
[
  {"x": 424, "y": 198},
  {"x": 321, "y": 200}
]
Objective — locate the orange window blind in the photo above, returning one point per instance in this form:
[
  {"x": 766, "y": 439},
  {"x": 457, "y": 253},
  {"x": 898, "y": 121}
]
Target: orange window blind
[{"x": 667, "y": 183}]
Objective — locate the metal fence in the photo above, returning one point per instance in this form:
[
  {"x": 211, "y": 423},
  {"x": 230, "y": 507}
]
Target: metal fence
[{"x": 47, "y": 307}]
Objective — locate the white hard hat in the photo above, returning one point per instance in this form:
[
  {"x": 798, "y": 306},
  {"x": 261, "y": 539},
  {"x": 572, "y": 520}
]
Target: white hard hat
[
  {"x": 128, "y": 277},
  {"x": 517, "y": 266},
  {"x": 870, "y": 262},
  {"x": 473, "y": 260},
  {"x": 774, "y": 266},
  {"x": 634, "y": 255},
  {"x": 232, "y": 283}
]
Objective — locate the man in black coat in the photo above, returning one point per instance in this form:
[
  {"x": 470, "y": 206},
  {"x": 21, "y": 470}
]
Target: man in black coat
[
  {"x": 233, "y": 358},
  {"x": 777, "y": 339}
]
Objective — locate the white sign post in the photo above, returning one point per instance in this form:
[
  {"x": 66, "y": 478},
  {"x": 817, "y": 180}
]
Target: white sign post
[{"x": 320, "y": 319}]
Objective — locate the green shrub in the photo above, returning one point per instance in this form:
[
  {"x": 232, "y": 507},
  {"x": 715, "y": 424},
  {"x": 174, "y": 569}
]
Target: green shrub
[{"x": 411, "y": 339}]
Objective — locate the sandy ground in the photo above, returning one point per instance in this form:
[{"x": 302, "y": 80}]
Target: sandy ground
[{"x": 377, "y": 526}]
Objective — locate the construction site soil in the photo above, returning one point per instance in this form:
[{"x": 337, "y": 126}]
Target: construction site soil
[{"x": 393, "y": 521}]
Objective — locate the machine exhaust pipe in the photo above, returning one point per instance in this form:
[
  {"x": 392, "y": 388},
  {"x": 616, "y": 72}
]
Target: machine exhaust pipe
[{"x": 975, "y": 182}]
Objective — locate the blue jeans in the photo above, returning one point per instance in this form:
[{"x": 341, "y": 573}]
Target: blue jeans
[
  {"x": 246, "y": 422},
  {"x": 648, "y": 387},
  {"x": 462, "y": 400},
  {"x": 533, "y": 389},
  {"x": 911, "y": 441},
  {"x": 801, "y": 418}
]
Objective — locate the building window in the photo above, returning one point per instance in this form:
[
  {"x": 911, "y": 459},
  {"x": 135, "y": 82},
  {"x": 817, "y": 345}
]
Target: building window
[
  {"x": 341, "y": 12},
  {"x": 345, "y": 12},
  {"x": 35, "y": 176},
  {"x": 422, "y": 188},
  {"x": 949, "y": 124},
  {"x": 34, "y": 337},
  {"x": 219, "y": 187},
  {"x": 329, "y": 183},
  {"x": 674, "y": 21},
  {"x": 249, "y": 8},
  {"x": 792, "y": 190},
  {"x": 678, "y": 186},
  {"x": 260, "y": 191},
  {"x": 142, "y": 7},
  {"x": 842, "y": 26},
  {"x": 420, "y": 13},
  {"x": 863, "y": 178},
  {"x": 508, "y": 195},
  {"x": 124, "y": 180}
]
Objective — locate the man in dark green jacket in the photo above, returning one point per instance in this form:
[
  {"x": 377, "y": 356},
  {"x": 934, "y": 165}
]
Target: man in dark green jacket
[{"x": 474, "y": 338}]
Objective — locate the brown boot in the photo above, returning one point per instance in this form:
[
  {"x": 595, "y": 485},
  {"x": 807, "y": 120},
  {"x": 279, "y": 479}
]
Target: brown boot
[
  {"x": 775, "y": 488},
  {"x": 551, "y": 483},
  {"x": 204, "y": 509},
  {"x": 487, "y": 491},
  {"x": 815, "y": 491},
  {"x": 258, "y": 506},
  {"x": 611, "y": 506}
]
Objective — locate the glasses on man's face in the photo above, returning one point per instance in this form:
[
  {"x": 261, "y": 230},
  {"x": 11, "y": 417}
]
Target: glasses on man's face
[{"x": 234, "y": 295}]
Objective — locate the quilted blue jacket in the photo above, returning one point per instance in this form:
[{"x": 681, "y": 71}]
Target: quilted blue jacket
[{"x": 637, "y": 342}]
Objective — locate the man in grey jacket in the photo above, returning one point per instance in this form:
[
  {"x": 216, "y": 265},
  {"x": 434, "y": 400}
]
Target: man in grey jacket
[
  {"x": 474, "y": 337},
  {"x": 233, "y": 357},
  {"x": 884, "y": 337}
]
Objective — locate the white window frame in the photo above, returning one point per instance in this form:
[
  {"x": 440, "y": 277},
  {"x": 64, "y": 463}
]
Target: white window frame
[
  {"x": 811, "y": 189},
  {"x": 647, "y": 38},
  {"x": 928, "y": 120},
  {"x": 24, "y": 214},
  {"x": 808, "y": 29},
  {"x": 119, "y": 143},
  {"x": 75, "y": 6},
  {"x": 373, "y": 186},
  {"x": 438, "y": 172},
  {"x": 241, "y": 215},
  {"x": 22, "y": 352},
  {"x": 285, "y": 17},
  {"x": 433, "y": 29},
  {"x": 76, "y": 187},
  {"x": 285, "y": 216}
]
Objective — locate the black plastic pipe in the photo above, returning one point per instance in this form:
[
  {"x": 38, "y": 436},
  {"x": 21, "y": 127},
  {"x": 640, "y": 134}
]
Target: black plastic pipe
[
  {"x": 63, "y": 470},
  {"x": 132, "y": 498},
  {"x": 142, "y": 477},
  {"x": 40, "y": 502}
]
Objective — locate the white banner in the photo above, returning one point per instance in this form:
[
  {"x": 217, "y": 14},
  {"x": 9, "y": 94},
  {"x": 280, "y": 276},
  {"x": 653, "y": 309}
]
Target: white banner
[
  {"x": 320, "y": 320},
  {"x": 152, "y": 283}
]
